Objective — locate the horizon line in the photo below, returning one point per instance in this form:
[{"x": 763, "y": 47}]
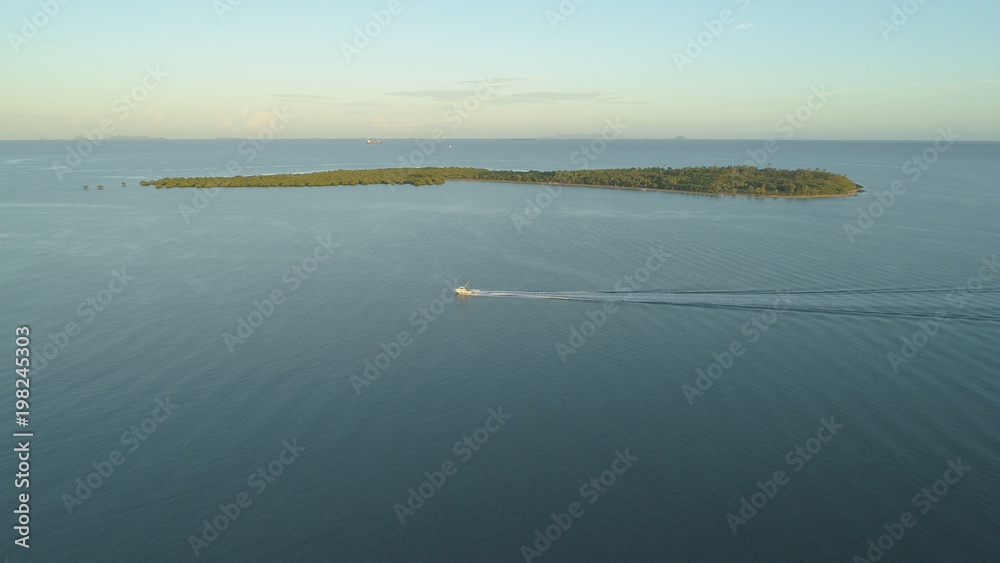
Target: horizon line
[{"x": 138, "y": 138}]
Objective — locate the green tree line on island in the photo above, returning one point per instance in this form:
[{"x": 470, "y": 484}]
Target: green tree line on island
[{"x": 724, "y": 180}]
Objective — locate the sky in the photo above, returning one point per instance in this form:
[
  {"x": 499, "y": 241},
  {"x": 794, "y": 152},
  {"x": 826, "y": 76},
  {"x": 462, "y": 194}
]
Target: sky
[{"x": 722, "y": 69}]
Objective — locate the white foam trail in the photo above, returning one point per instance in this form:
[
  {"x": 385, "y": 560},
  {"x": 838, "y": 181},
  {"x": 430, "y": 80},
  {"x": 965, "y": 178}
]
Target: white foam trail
[
  {"x": 923, "y": 303},
  {"x": 668, "y": 298}
]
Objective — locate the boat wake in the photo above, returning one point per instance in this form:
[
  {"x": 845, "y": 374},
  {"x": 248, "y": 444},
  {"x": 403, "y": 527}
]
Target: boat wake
[{"x": 978, "y": 305}]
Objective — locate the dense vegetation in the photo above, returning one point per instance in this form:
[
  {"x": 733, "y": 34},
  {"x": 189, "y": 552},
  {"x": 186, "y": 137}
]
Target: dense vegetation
[{"x": 735, "y": 180}]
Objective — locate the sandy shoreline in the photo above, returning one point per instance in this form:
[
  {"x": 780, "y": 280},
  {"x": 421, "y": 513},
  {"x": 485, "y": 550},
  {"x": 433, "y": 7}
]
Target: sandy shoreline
[{"x": 858, "y": 188}]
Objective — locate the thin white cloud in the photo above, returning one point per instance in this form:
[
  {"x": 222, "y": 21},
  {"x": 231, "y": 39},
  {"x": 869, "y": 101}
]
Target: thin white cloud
[
  {"x": 506, "y": 79},
  {"x": 540, "y": 97}
]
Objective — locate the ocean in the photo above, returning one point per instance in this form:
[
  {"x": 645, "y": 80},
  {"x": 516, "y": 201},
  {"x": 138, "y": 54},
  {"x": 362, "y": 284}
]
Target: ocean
[{"x": 285, "y": 374}]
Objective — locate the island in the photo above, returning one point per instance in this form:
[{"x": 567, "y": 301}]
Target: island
[{"x": 710, "y": 180}]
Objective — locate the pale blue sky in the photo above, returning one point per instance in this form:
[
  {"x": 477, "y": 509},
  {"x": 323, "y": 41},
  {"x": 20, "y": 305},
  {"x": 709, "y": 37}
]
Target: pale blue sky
[{"x": 607, "y": 60}]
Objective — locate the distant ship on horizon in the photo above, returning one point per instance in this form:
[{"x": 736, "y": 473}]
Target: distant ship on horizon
[{"x": 374, "y": 142}]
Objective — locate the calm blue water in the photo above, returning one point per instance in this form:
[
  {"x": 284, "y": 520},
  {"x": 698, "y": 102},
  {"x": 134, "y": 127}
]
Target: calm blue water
[{"x": 812, "y": 316}]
